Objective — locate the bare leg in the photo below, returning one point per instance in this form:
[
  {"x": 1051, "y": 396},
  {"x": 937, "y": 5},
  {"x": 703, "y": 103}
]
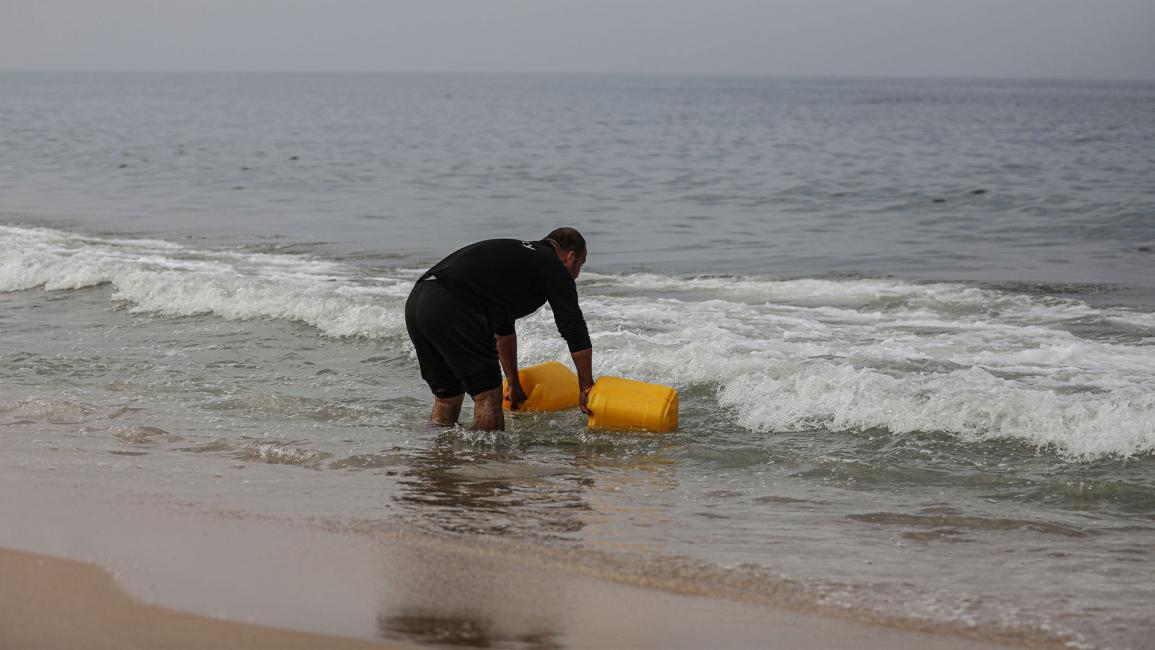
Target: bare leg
[
  {"x": 446, "y": 410},
  {"x": 487, "y": 413}
]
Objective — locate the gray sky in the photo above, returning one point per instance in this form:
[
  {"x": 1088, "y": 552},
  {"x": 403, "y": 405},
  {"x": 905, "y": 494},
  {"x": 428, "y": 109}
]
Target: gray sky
[{"x": 983, "y": 38}]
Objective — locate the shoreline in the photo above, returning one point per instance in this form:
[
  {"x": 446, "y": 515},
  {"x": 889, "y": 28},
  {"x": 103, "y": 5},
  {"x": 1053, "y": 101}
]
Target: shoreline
[
  {"x": 150, "y": 570},
  {"x": 40, "y": 591}
]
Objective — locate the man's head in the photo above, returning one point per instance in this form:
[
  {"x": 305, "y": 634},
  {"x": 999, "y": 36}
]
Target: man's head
[{"x": 570, "y": 247}]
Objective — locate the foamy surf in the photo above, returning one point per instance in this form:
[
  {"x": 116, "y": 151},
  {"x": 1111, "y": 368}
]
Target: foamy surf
[
  {"x": 167, "y": 279},
  {"x": 780, "y": 355},
  {"x": 863, "y": 354}
]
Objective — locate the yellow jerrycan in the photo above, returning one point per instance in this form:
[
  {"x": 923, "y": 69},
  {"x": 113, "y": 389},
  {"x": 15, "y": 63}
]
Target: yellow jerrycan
[
  {"x": 549, "y": 386},
  {"x": 618, "y": 403}
]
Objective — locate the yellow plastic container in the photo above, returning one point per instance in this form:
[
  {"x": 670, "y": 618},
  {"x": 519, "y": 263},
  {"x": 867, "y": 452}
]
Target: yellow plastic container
[
  {"x": 626, "y": 404},
  {"x": 549, "y": 386}
]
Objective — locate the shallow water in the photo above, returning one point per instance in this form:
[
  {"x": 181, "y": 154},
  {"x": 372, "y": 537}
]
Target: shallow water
[{"x": 911, "y": 323}]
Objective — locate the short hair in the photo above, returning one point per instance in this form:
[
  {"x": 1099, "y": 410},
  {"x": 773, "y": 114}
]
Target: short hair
[{"x": 568, "y": 239}]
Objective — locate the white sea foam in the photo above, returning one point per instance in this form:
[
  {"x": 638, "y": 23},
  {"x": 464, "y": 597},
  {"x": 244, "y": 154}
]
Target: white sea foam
[
  {"x": 168, "y": 279},
  {"x": 860, "y": 354},
  {"x": 958, "y": 300},
  {"x": 784, "y": 355}
]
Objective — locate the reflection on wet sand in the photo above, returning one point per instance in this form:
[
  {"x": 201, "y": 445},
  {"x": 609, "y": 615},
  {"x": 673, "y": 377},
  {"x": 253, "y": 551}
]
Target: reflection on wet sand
[
  {"x": 426, "y": 628},
  {"x": 470, "y": 596},
  {"x": 464, "y": 488}
]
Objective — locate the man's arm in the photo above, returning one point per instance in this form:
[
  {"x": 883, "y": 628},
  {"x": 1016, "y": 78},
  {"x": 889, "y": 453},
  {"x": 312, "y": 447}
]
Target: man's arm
[
  {"x": 583, "y": 360},
  {"x": 563, "y": 299},
  {"x": 507, "y": 356}
]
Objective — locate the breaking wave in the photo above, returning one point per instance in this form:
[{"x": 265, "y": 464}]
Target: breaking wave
[
  {"x": 779, "y": 355},
  {"x": 167, "y": 279}
]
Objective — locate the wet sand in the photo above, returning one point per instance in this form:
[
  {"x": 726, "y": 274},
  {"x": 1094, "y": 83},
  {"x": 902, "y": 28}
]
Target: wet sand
[
  {"x": 146, "y": 573},
  {"x": 49, "y": 603}
]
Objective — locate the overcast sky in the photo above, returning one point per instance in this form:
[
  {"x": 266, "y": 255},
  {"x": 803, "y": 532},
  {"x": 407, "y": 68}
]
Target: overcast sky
[{"x": 974, "y": 38}]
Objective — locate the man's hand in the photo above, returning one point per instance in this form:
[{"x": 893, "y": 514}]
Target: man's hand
[
  {"x": 583, "y": 362},
  {"x": 515, "y": 395},
  {"x": 584, "y": 399}
]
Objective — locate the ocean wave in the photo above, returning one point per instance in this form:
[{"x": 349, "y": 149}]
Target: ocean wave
[
  {"x": 779, "y": 355},
  {"x": 975, "y": 363},
  {"x": 167, "y": 279},
  {"x": 970, "y": 403},
  {"x": 888, "y": 296}
]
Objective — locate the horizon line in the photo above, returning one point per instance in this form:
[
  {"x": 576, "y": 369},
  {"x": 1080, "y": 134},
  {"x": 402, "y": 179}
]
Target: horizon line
[{"x": 581, "y": 73}]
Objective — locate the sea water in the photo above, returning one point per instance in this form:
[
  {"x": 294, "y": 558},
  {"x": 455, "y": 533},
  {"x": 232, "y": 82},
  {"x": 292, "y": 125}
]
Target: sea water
[{"x": 911, "y": 322}]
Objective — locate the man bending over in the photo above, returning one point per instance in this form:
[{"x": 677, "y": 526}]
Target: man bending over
[{"x": 461, "y": 312}]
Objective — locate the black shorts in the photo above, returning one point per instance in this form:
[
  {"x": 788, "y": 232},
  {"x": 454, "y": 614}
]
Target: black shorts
[{"x": 455, "y": 347}]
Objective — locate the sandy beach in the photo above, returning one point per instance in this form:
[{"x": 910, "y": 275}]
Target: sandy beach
[
  {"x": 50, "y": 603},
  {"x": 89, "y": 566}
]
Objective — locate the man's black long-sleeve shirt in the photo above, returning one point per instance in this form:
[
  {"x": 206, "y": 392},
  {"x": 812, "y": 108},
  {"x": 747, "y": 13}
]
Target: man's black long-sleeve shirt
[{"x": 508, "y": 279}]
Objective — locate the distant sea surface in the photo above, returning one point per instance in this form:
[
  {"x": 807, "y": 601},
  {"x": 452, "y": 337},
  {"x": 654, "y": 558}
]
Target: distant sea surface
[{"x": 912, "y": 322}]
